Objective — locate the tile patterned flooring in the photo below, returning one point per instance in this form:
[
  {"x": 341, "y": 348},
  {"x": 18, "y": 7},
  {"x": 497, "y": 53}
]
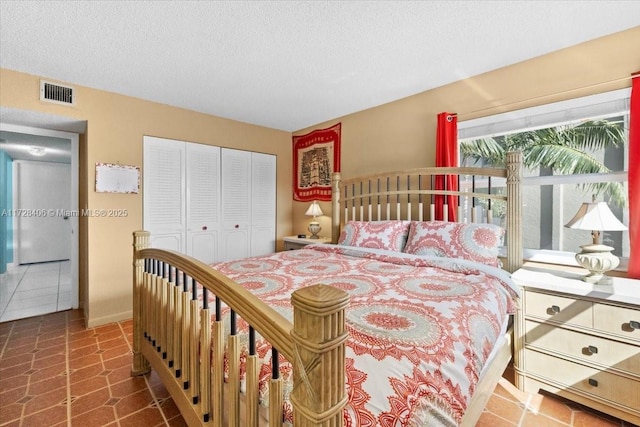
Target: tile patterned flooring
[
  {"x": 55, "y": 372},
  {"x": 35, "y": 289}
]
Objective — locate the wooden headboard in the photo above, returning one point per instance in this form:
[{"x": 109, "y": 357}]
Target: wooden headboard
[{"x": 482, "y": 195}]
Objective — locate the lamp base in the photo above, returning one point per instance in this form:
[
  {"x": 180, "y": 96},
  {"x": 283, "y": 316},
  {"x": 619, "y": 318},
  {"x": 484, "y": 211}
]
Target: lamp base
[
  {"x": 598, "y": 259},
  {"x": 314, "y": 229}
]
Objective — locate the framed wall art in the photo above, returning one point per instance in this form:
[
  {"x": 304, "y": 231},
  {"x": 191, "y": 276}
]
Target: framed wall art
[{"x": 316, "y": 156}]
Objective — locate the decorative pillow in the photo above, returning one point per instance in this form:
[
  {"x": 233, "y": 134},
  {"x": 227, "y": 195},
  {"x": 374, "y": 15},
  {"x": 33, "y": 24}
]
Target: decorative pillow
[
  {"x": 391, "y": 235},
  {"x": 473, "y": 242}
]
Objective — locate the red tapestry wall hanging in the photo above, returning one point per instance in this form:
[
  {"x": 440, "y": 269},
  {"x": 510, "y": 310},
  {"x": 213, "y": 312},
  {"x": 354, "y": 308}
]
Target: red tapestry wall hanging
[{"x": 316, "y": 156}]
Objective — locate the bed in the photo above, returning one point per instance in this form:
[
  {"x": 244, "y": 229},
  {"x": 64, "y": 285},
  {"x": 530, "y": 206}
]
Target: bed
[{"x": 403, "y": 320}]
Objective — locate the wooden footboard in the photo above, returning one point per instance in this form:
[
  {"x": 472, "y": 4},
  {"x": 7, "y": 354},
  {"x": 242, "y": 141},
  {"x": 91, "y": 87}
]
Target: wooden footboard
[{"x": 184, "y": 341}]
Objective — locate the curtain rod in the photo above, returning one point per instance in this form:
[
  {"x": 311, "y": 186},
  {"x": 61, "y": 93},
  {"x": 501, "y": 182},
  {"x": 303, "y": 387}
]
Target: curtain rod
[{"x": 636, "y": 74}]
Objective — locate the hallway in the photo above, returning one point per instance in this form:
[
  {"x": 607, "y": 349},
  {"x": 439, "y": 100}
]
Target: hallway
[{"x": 35, "y": 289}]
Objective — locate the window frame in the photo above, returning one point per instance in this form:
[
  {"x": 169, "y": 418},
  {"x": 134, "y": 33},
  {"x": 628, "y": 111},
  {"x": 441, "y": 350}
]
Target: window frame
[{"x": 590, "y": 107}]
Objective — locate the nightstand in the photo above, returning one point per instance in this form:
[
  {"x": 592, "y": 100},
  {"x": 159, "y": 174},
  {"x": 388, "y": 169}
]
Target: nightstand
[
  {"x": 578, "y": 340},
  {"x": 294, "y": 242}
]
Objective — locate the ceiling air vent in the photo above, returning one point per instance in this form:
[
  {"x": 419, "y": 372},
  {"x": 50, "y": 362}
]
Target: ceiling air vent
[{"x": 52, "y": 92}]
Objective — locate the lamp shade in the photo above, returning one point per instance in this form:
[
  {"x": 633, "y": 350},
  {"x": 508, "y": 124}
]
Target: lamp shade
[
  {"x": 595, "y": 216},
  {"x": 314, "y": 210}
]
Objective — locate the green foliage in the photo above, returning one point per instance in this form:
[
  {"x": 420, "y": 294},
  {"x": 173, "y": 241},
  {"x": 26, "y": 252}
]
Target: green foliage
[{"x": 563, "y": 149}]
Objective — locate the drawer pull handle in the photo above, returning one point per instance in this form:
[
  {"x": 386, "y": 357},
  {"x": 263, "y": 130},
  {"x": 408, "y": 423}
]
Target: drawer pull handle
[
  {"x": 634, "y": 325},
  {"x": 592, "y": 349},
  {"x": 555, "y": 309},
  {"x": 593, "y": 382}
]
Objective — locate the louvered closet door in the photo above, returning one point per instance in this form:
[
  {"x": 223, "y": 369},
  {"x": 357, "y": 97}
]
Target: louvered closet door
[
  {"x": 163, "y": 181},
  {"x": 203, "y": 201},
  {"x": 236, "y": 204},
  {"x": 263, "y": 204}
]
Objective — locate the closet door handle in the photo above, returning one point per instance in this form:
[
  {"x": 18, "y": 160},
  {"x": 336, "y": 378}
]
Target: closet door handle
[
  {"x": 204, "y": 228},
  {"x": 236, "y": 226}
]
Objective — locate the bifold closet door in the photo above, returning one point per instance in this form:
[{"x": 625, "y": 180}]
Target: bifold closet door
[
  {"x": 203, "y": 201},
  {"x": 181, "y": 197},
  {"x": 164, "y": 195},
  {"x": 263, "y": 204},
  {"x": 248, "y": 204},
  {"x": 236, "y": 203}
]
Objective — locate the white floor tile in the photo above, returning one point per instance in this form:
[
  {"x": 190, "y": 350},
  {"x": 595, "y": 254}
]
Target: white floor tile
[
  {"x": 34, "y": 290},
  {"x": 22, "y": 313}
]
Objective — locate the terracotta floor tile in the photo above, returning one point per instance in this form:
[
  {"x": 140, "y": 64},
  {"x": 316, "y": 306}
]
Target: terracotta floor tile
[
  {"x": 53, "y": 350},
  {"x": 538, "y": 420},
  {"x": 50, "y": 416},
  {"x": 115, "y": 352},
  {"x": 81, "y": 374},
  {"x": 10, "y": 396},
  {"x": 170, "y": 410},
  {"x": 81, "y": 362},
  {"x": 30, "y": 340},
  {"x": 133, "y": 402},
  {"x": 83, "y": 342},
  {"x": 507, "y": 390},
  {"x": 103, "y": 393},
  {"x": 119, "y": 362},
  {"x": 177, "y": 422},
  {"x": 15, "y": 370},
  {"x": 18, "y": 351},
  {"x": 49, "y": 372},
  {"x": 587, "y": 419},
  {"x": 551, "y": 407},
  {"x": 504, "y": 408},
  {"x": 89, "y": 402},
  {"x": 77, "y": 353},
  {"x": 88, "y": 386},
  {"x": 128, "y": 387},
  {"x": 101, "y": 416},
  {"x": 487, "y": 419},
  {"x": 148, "y": 417},
  {"x": 10, "y": 413},
  {"x": 120, "y": 374},
  {"x": 43, "y": 401},
  {"x": 13, "y": 382},
  {"x": 45, "y": 386},
  {"x": 45, "y": 342},
  {"x": 109, "y": 333},
  {"x": 47, "y": 360}
]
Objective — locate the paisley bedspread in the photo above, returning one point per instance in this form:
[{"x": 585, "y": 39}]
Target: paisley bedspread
[{"x": 420, "y": 328}]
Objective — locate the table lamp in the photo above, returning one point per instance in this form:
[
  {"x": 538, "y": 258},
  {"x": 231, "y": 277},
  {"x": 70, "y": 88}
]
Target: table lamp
[
  {"x": 596, "y": 257},
  {"x": 314, "y": 226}
]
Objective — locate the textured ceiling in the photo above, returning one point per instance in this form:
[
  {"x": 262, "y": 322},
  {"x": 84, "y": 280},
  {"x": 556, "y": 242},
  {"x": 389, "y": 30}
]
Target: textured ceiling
[{"x": 289, "y": 65}]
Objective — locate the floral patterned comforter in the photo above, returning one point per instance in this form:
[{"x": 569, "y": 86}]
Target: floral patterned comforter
[{"x": 420, "y": 328}]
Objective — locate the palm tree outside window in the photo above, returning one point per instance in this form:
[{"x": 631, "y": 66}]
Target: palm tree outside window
[{"x": 565, "y": 165}]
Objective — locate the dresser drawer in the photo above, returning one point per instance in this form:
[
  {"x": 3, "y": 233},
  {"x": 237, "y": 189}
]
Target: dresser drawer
[
  {"x": 625, "y": 357},
  {"x": 559, "y": 309},
  {"x": 605, "y": 385},
  {"x": 617, "y": 320}
]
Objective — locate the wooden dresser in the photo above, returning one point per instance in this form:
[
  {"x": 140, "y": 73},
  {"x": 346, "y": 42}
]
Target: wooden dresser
[{"x": 580, "y": 341}]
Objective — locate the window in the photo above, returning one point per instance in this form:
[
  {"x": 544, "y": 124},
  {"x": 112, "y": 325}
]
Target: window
[{"x": 575, "y": 149}]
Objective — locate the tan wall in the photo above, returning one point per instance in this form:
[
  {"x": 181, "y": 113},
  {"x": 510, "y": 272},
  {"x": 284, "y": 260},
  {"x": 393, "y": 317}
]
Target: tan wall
[
  {"x": 392, "y": 136},
  {"x": 402, "y": 134},
  {"x": 115, "y": 128}
]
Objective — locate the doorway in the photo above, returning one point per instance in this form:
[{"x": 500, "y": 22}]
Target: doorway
[{"x": 40, "y": 235}]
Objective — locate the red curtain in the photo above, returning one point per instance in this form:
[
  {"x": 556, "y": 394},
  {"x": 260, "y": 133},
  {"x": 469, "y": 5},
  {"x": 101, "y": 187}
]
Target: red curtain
[
  {"x": 634, "y": 179},
  {"x": 446, "y": 155}
]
